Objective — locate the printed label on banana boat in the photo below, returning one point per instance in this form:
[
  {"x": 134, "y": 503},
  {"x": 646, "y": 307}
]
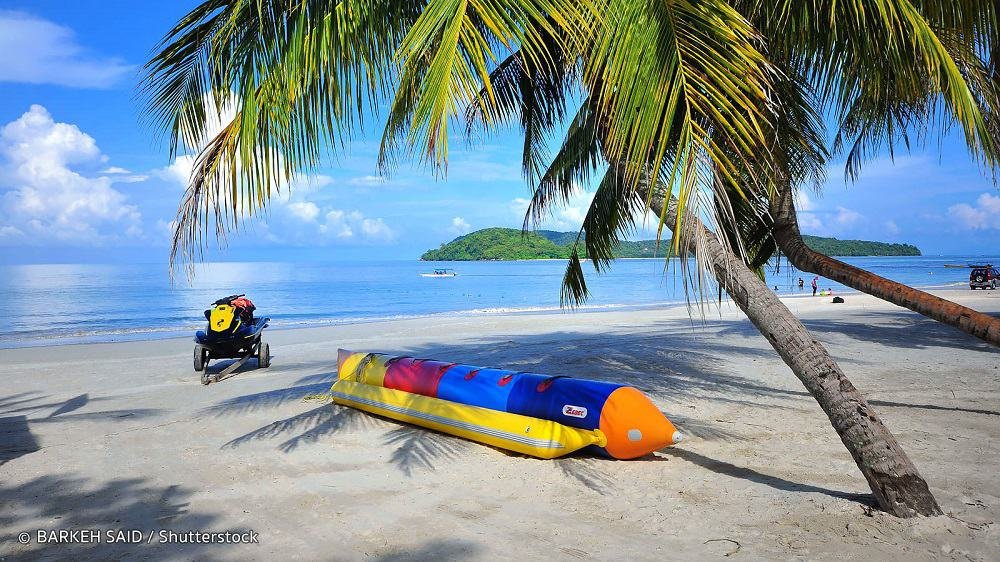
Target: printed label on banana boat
[{"x": 574, "y": 411}]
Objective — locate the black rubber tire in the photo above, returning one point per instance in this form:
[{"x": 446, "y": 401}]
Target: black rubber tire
[
  {"x": 979, "y": 279},
  {"x": 263, "y": 355},
  {"x": 200, "y": 358}
]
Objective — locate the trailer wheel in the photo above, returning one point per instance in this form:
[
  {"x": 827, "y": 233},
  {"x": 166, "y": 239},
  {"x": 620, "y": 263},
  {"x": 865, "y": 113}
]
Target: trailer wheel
[
  {"x": 263, "y": 355},
  {"x": 200, "y": 358}
]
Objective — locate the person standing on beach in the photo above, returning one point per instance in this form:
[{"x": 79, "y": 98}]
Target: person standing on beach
[
  {"x": 814, "y": 284},
  {"x": 801, "y": 283}
]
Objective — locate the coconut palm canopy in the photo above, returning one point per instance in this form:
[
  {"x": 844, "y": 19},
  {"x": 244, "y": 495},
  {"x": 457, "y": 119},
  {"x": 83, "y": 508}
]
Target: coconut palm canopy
[{"x": 719, "y": 102}]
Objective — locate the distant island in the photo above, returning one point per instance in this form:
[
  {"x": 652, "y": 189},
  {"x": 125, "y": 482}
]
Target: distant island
[
  {"x": 835, "y": 247},
  {"x": 511, "y": 244}
]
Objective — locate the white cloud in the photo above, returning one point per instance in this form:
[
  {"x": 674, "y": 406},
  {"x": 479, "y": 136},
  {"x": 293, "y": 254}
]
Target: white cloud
[
  {"x": 891, "y": 227},
  {"x": 519, "y": 206},
  {"x": 315, "y": 223},
  {"x": 809, "y": 223},
  {"x": 803, "y": 202},
  {"x": 847, "y": 217},
  {"x": 165, "y": 229},
  {"x": 178, "y": 172},
  {"x": 355, "y": 226},
  {"x": 459, "y": 226},
  {"x": 118, "y": 174},
  {"x": 561, "y": 216},
  {"x": 44, "y": 198},
  {"x": 808, "y": 215},
  {"x": 985, "y": 215},
  {"x": 570, "y": 216},
  {"x": 376, "y": 230},
  {"x": 10, "y": 232},
  {"x": 306, "y": 211},
  {"x": 304, "y": 185},
  {"x": 136, "y": 178},
  {"x": 38, "y": 51},
  {"x": 368, "y": 181},
  {"x": 337, "y": 224}
]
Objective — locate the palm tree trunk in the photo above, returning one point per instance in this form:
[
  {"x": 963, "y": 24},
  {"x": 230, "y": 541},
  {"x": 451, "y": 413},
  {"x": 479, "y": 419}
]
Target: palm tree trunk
[
  {"x": 786, "y": 234},
  {"x": 898, "y": 487}
]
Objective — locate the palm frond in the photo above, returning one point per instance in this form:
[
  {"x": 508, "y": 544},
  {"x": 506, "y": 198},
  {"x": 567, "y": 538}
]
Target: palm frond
[
  {"x": 614, "y": 211},
  {"x": 576, "y": 160},
  {"x": 886, "y": 68},
  {"x": 535, "y": 97},
  {"x": 298, "y": 76},
  {"x": 177, "y": 80},
  {"x": 446, "y": 58},
  {"x": 679, "y": 84},
  {"x": 574, "y": 285}
]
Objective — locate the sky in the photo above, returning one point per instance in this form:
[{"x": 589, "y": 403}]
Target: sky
[{"x": 83, "y": 177}]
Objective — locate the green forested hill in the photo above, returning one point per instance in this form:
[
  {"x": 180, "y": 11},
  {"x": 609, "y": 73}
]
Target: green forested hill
[
  {"x": 497, "y": 244},
  {"x": 835, "y": 247},
  {"x": 512, "y": 244}
]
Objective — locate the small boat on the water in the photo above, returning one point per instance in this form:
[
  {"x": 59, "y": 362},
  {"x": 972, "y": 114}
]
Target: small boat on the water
[{"x": 440, "y": 273}]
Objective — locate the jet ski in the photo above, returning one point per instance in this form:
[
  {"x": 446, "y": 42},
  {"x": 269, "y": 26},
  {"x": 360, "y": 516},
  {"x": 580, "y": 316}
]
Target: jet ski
[{"x": 232, "y": 333}]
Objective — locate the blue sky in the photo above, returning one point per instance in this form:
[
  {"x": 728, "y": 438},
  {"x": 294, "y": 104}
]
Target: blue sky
[{"x": 83, "y": 179}]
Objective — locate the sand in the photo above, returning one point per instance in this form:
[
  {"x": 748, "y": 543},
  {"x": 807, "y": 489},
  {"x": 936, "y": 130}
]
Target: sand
[{"x": 123, "y": 436}]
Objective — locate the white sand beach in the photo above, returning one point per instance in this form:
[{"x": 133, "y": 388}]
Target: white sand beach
[{"x": 124, "y": 436}]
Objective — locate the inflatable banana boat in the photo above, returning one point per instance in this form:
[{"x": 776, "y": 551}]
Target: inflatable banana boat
[{"x": 542, "y": 416}]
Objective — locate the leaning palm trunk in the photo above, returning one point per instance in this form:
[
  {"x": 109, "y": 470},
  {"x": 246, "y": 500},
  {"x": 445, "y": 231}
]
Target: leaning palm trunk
[
  {"x": 898, "y": 487},
  {"x": 786, "y": 234}
]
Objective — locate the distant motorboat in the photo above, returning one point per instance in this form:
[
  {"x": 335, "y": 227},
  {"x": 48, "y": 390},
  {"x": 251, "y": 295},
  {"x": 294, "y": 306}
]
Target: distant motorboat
[{"x": 440, "y": 273}]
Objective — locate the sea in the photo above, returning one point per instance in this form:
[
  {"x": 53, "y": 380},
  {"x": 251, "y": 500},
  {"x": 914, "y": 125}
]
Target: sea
[{"x": 66, "y": 304}]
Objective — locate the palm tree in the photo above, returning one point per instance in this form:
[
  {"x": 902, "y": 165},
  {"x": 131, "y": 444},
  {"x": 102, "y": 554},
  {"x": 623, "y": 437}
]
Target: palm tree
[
  {"x": 703, "y": 111},
  {"x": 789, "y": 240},
  {"x": 890, "y": 104}
]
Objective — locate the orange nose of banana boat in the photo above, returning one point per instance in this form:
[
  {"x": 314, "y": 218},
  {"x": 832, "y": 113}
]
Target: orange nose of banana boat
[{"x": 633, "y": 425}]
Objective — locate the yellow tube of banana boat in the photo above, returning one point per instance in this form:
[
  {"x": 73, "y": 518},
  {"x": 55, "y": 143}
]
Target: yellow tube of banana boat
[
  {"x": 530, "y": 436},
  {"x": 367, "y": 368}
]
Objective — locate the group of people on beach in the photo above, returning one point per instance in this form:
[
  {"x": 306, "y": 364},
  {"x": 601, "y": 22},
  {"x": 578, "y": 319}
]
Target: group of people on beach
[{"x": 815, "y": 286}]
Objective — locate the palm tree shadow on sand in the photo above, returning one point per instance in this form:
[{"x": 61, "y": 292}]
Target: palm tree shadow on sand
[
  {"x": 414, "y": 448},
  {"x": 419, "y": 449},
  {"x": 438, "y": 549},
  {"x": 18, "y": 412},
  {"x": 73, "y": 502},
  {"x": 778, "y": 483},
  {"x": 894, "y": 328},
  {"x": 308, "y": 427},
  {"x": 676, "y": 364}
]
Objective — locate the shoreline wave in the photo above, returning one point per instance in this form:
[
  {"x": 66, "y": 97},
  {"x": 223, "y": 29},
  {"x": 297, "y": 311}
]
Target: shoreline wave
[
  {"x": 153, "y": 333},
  {"x": 30, "y": 339}
]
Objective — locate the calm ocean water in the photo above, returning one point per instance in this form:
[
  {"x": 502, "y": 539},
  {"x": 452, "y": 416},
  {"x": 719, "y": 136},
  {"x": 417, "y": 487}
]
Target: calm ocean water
[{"x": 56, "y": 304}]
